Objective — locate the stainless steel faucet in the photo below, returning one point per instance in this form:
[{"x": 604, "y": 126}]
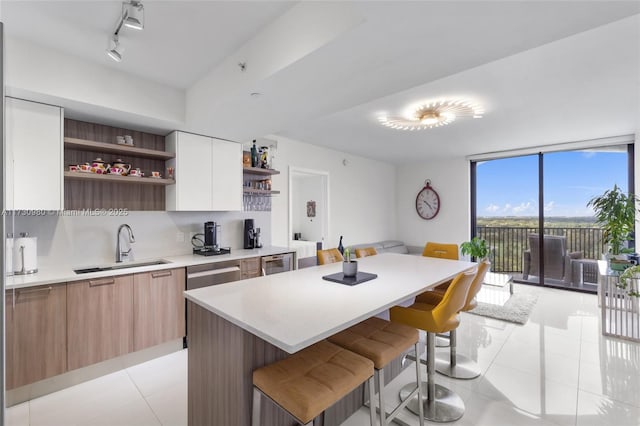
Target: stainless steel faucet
[{"x": 123, "y": 255}]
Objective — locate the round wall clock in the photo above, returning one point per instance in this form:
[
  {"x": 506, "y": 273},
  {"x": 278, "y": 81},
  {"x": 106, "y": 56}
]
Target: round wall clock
[{"x": 427, "y": 202}]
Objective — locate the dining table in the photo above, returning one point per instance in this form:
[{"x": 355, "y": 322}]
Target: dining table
[{"x": 236, "y": 327}]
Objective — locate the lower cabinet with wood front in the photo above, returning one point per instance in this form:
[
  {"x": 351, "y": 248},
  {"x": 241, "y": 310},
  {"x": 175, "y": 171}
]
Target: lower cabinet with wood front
[
  {"x": 100, "y": 319},
  {"x": 36, "y": 334},
  {"x": 57, "y": 328},
  {"x": 158, "y": 307}
]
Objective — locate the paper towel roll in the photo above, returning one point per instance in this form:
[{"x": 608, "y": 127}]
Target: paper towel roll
[
  {"x": 8, "y": 255},
  {"x": 25, "y": 255}
]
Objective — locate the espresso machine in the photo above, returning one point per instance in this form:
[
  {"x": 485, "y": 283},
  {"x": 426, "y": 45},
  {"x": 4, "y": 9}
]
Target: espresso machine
[
  {"x": 208, "y": 245},
  {"x": 251, "y": 235}
]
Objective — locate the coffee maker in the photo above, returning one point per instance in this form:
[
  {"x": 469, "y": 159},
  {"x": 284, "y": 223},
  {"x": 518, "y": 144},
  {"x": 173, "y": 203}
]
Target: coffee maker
[
  {"x": 210, "y": 246},
  {"x": 211, "y": 235},
  {"x": 251, "y": 235}
]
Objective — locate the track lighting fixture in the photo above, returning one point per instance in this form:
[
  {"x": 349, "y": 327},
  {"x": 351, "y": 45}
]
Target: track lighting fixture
[
  {"x": 115, "y": 51},
  {"x": 132, "y": 16}
]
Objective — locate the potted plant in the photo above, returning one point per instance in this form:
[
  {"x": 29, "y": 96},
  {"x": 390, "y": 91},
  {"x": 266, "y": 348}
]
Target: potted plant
[
  {"x": 629, "y": 281},
  {"x": 477, "y": 248},
  {"x": 615, "y": 214},
  {"x": 349, "y": 267}
]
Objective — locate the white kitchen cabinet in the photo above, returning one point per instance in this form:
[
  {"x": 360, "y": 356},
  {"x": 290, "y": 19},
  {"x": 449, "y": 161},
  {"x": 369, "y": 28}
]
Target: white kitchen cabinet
[
  {"x": 34, "y": 152},
  {"x": 208, "y": 173}
]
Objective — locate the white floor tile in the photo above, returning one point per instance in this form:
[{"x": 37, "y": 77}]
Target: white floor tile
[
  {"x": 170, "y": 405},
  {"x": 160, "y": 374},
  {"x": 598, "y": 410},
  {"x": 18, "y": 415},
  {"x": 80, "y": 403},
  {"x": 136, "y": 413}
]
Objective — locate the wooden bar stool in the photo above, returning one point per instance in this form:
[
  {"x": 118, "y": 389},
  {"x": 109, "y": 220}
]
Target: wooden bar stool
[
  {"x": 308, "y": 382},
  {"x": 442, "y": 404},
  {"x": 382, "y": 341},
  {"x": 329, "y": 256},
  {"x": 367, "y": 251},
  {"x": 457, "y": 366}
]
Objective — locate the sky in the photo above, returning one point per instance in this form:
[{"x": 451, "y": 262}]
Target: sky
[{"x": 509, "y": 187}]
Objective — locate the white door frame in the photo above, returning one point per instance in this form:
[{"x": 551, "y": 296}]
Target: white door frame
[{"x": 293, "y": 170}]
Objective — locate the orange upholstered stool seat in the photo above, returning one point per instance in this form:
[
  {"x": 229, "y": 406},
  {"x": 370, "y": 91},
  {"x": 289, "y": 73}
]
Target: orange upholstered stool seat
[
  {"x": 442, "y": 404},
  {"x": 367, "y": 251},
  {"x": 329, "y": 256},
  {"x": 455, "y": 365},
  {"x": 381, "y": 341},
  {"x": 311, "y": 380}
]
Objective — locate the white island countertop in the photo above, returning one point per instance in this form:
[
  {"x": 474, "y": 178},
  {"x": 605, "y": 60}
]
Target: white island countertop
[
  {"x": 65, "y": 273},
  {"x": 293, "y": 310}
]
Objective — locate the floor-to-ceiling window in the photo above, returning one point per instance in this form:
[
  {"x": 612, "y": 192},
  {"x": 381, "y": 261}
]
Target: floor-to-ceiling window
[{"x": 517, "y": 199}]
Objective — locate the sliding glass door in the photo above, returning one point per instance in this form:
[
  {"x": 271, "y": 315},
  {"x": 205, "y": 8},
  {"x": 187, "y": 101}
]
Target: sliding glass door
[
  {"x": 506, "y": 209},
  {"x": 518, "y": 199}
]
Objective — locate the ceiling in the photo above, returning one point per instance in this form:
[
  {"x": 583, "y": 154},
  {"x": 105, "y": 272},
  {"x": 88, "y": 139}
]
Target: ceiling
[{"x": 546, "y": 71}]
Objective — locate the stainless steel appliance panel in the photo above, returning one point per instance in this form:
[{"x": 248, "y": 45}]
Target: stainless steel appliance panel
[
  {"x": 213, "y": 273},
  {"x": 277, "y": 263}
]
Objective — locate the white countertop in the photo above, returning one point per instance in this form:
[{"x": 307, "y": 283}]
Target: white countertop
[
  {"x": 293, "y": 310},
  {"x": 66, "y": 274}
]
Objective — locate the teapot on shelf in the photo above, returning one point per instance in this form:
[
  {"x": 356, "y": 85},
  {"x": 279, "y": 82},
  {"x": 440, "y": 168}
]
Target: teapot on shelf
[
  {"x": 124, "y": 167},
  {"x": 99, "y": 166}
]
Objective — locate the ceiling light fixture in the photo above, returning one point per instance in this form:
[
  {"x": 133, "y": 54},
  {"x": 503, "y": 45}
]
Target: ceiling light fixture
[
  {"x": 115, "y": 51},
  {"x": 132, "y": 16},
  {"x": 434, "y": 113}
]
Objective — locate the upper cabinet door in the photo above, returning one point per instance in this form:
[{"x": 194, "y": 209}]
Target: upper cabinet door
[
  {"x": 208, "y": 173},
  {"x": 34, "y": 167},
  {"x": 193, "y": 172},
  {"x": 227, "y": 175}
]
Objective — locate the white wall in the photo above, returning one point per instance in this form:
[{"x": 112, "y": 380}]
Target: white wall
[
  {"x": 450, "y": 178},
  {"x": 48, "y": 75},
  {"x": 91, "y": 240},
  {"x": 361, "y": 193}
]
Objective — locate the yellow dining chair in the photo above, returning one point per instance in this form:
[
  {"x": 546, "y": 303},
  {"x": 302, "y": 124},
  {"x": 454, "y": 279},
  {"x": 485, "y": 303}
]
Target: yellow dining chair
[
  {"x": 367, "y": 251},
  {"x": 457, "y": 366},
  {"x": 442, "y": 404},
  {"x": 441, "y": 250},
  {"x": 329, "y": 256}
]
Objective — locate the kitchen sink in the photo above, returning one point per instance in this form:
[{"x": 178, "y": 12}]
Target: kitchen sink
[{"x": 124, "y": 265}]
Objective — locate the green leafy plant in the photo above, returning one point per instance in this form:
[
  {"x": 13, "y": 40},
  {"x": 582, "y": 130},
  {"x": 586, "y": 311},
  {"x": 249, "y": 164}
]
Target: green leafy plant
[
  {"x": 615, "y": 214},
  {"x": 477, "y": 248},
  {"x": 627, "y": 278}
]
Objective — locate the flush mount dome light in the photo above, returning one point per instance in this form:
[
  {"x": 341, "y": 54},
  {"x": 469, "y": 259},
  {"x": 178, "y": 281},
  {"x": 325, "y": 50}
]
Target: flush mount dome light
[{"x": 430, "y": 114}]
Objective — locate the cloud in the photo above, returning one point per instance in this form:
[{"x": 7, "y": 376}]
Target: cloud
[
  {"x": 549, "y": 206},
  {"x": 492, "y": 208},
  {"x": 523, "y": 208}
]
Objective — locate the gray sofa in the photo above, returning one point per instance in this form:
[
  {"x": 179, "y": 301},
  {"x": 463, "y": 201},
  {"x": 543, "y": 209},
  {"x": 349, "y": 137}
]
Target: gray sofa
[{"x": 389, "y": 246}]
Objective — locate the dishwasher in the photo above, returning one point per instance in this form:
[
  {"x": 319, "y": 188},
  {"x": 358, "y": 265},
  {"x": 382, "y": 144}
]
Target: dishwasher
[{"x": 209, "y": 274}]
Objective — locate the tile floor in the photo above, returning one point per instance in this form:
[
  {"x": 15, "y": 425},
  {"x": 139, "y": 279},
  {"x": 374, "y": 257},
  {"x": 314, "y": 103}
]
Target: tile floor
[{"x": 555, "y": 370}]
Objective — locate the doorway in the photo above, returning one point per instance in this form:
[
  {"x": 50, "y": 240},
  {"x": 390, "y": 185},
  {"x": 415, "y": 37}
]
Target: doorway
[{"x": 308, "y": 210}]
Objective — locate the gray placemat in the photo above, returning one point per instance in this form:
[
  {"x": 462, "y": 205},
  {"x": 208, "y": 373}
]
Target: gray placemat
[{"x": 358, "y": 279}]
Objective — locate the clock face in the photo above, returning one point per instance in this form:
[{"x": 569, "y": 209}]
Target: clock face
[{"x": 427, "y": 203}]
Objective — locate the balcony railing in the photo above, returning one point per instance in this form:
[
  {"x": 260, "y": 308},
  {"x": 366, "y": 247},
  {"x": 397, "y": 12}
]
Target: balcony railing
[{"x": 508, "y": 243}]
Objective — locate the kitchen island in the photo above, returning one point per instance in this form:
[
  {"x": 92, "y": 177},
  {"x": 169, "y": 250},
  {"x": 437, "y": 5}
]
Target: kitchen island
[{"x": 237, "y": 327}]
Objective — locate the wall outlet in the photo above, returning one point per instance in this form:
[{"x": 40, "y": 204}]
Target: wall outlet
[{"x": 179, "y": 237}]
